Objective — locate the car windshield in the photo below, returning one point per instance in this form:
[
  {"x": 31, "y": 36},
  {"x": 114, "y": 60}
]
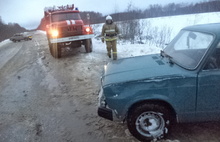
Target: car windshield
[
  {"x": 188, "y": 48},
  {"x": 65, "y": 16}
]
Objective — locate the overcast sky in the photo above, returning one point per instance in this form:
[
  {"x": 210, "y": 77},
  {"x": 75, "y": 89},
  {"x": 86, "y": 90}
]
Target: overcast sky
[{"x": 28, "y": 13}]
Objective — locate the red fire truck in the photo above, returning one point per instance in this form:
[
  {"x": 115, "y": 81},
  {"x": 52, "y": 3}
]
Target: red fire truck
[{"x": 65, "y": 28}]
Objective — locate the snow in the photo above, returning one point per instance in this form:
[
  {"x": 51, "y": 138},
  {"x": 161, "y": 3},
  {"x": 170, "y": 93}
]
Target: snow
[
  {"x": 39, "y": 32},
  {"x": 4, "y": 42},
  {"x": 126, "y": 49},
  {"x": 181, "y": 21}
]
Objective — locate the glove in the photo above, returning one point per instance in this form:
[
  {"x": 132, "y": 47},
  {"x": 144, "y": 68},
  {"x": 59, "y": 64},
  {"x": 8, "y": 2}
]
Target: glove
[{"x": 103, "y": 40}]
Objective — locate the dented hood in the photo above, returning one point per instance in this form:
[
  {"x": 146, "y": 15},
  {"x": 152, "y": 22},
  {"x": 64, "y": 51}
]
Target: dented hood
[{"x": 149, "y": 67}]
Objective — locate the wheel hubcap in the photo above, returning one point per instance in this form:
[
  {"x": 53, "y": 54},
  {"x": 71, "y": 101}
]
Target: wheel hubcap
[{"x": 150, "y": 124}]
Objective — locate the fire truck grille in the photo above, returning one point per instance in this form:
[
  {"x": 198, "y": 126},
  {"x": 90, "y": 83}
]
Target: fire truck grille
[{"x": 71, "y": 31}]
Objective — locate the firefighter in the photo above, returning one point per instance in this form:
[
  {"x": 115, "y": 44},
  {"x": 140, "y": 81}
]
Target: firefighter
[{"x": 109, "y": 35}]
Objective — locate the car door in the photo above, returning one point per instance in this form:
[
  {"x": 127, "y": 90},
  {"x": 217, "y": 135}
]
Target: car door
[
  {"x": 208, "y": 96},
  {"x": 20, "y": 37}
]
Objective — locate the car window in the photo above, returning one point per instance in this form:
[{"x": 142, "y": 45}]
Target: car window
[
  {"x": 213, "y": 62},
  {"x": 188, "y": 48}
]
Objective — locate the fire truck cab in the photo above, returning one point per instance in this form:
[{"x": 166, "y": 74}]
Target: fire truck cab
[{"x": 65, "y": 28}]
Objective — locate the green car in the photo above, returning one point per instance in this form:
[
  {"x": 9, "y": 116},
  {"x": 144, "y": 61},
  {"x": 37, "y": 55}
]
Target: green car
[{"x": 153, "y": 92}]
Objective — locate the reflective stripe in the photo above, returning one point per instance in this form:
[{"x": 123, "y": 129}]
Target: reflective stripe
[
  {"x": 68, "y": 22},
  {"x": 114, "y": 52},
  {"x": 110, "y": 39},
  {"x": 111, "y": 30},
  {"x": 73, "y": 22}
]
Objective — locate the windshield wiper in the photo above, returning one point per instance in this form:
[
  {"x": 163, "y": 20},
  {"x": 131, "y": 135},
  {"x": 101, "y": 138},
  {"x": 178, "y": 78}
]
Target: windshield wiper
[
  {"x": 163, "y": 54},
  {"x": 170, "y": 60}
]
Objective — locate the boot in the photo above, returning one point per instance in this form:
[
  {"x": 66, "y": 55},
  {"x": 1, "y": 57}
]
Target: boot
[
  {"x": 109, "y": 55},
  {"x": 114, "y": 57}
]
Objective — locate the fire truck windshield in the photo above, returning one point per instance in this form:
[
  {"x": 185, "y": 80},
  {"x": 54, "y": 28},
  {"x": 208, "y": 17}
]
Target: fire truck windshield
[{"x": 65, "y": 16}]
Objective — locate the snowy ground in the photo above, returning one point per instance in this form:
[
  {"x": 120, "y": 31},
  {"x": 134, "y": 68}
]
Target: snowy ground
[{"x": 4, "y": 42}]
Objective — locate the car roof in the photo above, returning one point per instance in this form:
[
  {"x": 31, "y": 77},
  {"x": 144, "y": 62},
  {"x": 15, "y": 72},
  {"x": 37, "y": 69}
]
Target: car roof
[{"x": 207, "y": 28}]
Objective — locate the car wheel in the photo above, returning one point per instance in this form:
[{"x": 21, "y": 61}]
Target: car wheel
[
  {"x": 88, "y": 45},
  {"x": 55, "y": 50},
  {"x": 149, "y": 122}
]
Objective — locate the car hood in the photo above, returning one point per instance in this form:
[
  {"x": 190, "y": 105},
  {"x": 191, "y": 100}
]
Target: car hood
[{"x": 149, "y": 67}]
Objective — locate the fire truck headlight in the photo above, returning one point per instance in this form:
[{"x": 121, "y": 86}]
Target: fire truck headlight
[
  {"x": 88, "y": 30},
  {"x": 54, "y": 33}
]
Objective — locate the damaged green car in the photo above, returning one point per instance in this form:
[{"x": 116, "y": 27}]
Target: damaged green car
[{"x": 152, "y": 92}]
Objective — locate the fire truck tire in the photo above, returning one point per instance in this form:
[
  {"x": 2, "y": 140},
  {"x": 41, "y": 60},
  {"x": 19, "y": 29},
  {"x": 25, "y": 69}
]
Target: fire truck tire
[
  {"x": 88, "y": 45},
  {"x": 55, "y": 50},
  {"x": 91, "y": 47}
]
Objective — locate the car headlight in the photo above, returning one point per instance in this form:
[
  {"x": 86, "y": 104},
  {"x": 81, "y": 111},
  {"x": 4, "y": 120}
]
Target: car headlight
[{"x": 102, "y": 102}]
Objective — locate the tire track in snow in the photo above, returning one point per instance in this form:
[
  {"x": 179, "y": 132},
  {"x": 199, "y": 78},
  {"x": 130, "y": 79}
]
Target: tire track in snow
[{"x": 9, "y": 53}]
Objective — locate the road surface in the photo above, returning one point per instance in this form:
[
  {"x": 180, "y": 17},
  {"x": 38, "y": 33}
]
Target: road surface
[{"x": 43, "y": 99}]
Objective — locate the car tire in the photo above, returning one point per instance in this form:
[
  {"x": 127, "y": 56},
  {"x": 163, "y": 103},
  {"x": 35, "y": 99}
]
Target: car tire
[
  {"x": 55, "y": 50},
  {"x": 148, "y": 122},
  {"x": 88, "y": 45}
]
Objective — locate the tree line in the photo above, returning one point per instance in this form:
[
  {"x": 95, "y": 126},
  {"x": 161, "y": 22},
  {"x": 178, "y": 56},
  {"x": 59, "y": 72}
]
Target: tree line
[
  {"x": 8, "y": 30},
  {"x": 157, "y": 10}
]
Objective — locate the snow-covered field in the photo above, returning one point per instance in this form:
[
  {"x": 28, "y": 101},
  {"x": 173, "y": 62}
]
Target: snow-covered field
[{"x": 153, "y": 28}]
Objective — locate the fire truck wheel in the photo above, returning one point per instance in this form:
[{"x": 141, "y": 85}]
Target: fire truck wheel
[
  {"x": 55, "y": 50},
  {"x": 91, "y": 47},
  {"x": 88, "y": 45}
]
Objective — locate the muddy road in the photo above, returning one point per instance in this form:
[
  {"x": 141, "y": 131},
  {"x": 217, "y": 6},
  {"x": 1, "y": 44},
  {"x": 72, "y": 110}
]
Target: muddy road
[{"x": 43, "y": 99}]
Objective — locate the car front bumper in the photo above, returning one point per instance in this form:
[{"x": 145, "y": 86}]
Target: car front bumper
[{"x": 105, "y": 113}]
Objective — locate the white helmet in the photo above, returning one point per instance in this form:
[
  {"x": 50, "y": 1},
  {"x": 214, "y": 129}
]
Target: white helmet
[{"x": 108, "y": 17}]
